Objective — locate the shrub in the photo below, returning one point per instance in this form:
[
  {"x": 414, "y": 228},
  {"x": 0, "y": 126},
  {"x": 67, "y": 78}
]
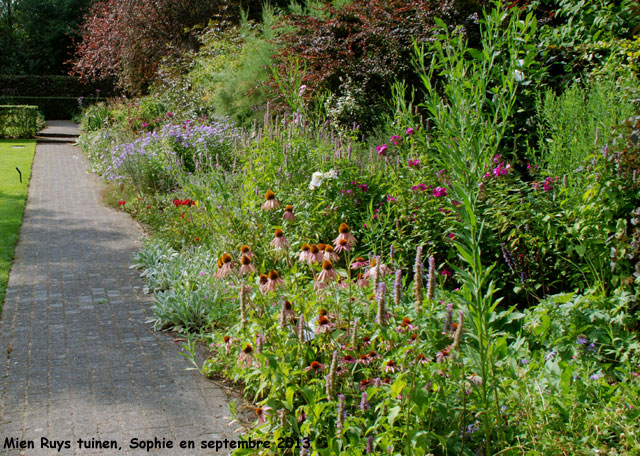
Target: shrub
[
  {"x": 20, "y": 121},
  {"x": 357, "y": 51}
]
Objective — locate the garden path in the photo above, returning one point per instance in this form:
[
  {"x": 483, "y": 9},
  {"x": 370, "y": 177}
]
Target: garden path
[{"x": 77, "y": 358}]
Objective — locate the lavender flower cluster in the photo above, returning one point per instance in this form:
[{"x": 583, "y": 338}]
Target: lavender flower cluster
[{"x": 203, "y": 143}]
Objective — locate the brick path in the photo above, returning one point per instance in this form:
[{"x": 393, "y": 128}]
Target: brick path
[{"x": 77, "y": 360}]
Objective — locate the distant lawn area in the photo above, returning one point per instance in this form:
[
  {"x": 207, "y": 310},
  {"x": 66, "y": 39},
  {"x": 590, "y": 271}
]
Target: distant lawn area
[{"x": 13, "y": 194}]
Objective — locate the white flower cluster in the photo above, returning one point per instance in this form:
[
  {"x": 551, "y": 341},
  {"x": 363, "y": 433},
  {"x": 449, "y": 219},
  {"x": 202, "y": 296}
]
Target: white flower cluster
[{"x": 318, "y": 178}]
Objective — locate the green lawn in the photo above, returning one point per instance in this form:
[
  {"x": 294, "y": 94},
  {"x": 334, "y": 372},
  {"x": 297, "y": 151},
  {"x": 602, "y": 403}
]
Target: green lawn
[{"x": 13, "y": 195}]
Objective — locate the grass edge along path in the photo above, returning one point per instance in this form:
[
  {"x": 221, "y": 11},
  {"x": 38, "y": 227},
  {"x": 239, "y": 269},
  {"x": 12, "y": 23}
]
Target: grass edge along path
[{"x": 13, "y": 197}]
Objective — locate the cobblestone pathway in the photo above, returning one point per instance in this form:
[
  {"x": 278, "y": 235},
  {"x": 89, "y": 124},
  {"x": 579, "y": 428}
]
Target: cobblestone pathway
[{"x": 77, "y": 358}]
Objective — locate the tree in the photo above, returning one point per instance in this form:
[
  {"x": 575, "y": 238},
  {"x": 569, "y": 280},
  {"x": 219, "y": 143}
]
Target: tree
[{"x": 127, "y": 39}]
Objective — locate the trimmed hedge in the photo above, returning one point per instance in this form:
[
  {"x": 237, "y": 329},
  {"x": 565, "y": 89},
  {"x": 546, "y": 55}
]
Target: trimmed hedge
[
  {"x": 20, "y": 121},
  {"x": 57, "y": 97}
]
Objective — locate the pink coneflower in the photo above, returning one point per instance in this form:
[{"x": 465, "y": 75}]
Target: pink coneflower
[
  {"x": 279, "y": 241},
  {"x": 315, "y": 367},
  {"x": 328, "y": 274},
  {"x": 421, "y": 359},
  {"x": 362, "y": 281},
  {"x": 271, "y": 202},
  {"x": 225, "y": 266},
  {"x": 405, "y": 325},
  {"x": 287, "y": 314},
  {"x": 264, "y": 279},
  {"x": 246, "y": 359},
  {"x": 324, "y": 325},
  {"x": 330, "y": 254},
  {"x": 245, "y": 250},
  {"x": 315, "y": 255},
  {"x": 373, "y": 270},
  {"x": 345, "y": 233},
  {"x": 443, "y": 354},
  {"x": 342, "y": 244},
  {"x": 260, "y": 413},
  {"x": 227, "y": 344},
  {"x": 372, "y": 355},
  {"x": 391, "y": 366},
  {"x": 348, "y": 359},
  {"x": 304, "y": 253},
  {"x": 247, "y": 267},
  {"x": 274, "y": 281},
  {"x": 288, "y": 213},
  {"x": 359, "y": 263}
]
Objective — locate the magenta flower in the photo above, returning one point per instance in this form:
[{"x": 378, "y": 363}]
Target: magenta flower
[
  {"x": 439, "y": 192},
  {"x": 415, "y": 163},
  {"x": 501, "y": 170},
  {"x": 409, "y": 131},
  {"x": 447, "y": 273},
  {"x": 395, "y": 140},
  {"x": 382, "y": 149},
  {"x": 419, "y": 188}
]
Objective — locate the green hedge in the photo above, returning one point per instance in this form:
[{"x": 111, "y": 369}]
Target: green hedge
[
  {"x": 57, "y": 97},
  {"x": 20, "y": 121}
]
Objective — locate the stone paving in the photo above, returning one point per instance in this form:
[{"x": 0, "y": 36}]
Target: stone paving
[{"x": 77, "y": 358}]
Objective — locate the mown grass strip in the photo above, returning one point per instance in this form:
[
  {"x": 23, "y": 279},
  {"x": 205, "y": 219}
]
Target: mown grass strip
[{"x": 13, "y": 194}]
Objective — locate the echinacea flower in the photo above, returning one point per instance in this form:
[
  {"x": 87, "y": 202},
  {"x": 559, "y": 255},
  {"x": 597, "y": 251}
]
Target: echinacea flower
[
  {"x": 330, "y": 254},
  {"x": 271, "y": 202},
  {"x": 260, "y": 413},
  {"x": 274, "y": 281},
  {"x": 315, "y": 367},
  {"x": 328, "y": 274},
  {"x": 264, "y": 279},
  {"x": 304, "y": 253},
  {"x": 406, "y": 325},
  {"x": 345, "y": 233},
  {"x": 348, "y": 359},
  {"x": 391, "y": 366},
  {"x": 341, "y": 245},
  {"x": 247, "y": 267},
  {"x": 382, "y": 268},
  {"x": 362, "y": 281},
  {"x": 225, "y": 266},
  {"x": 245, "y": 250},
  {"x": 288, "y": 213},
  {"x": 324, "y": 325},
  {"x": 358, "y": 263},
  {"x": 227, "y": 343},
  {"x": 245, "y": 359},
  {"x": 287, "y": 314},
  {"x": 315, "y": 255},
  {"x": 279, "y": 241},
  {"x": 421, "y": 359}
]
